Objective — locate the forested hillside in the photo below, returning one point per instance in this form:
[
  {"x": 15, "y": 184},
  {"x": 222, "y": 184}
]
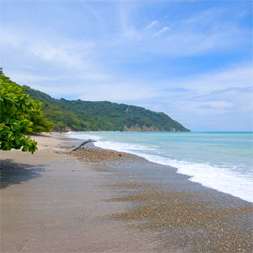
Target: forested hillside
[{"x": 94, "y": 116}]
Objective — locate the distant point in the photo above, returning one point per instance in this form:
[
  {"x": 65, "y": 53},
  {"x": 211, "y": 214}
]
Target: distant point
[{"x": 1, "y": 70}]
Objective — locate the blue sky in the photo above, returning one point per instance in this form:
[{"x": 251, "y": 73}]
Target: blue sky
[{"x": 191, "y": 59}]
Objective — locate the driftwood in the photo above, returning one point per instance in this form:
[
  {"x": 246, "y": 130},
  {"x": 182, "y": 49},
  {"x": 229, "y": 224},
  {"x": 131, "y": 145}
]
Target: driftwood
[{"x": 83, "y": 144}]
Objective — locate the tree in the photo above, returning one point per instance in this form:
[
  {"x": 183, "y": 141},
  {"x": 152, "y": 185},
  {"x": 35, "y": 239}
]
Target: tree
[{"x": 20, "y": 115}]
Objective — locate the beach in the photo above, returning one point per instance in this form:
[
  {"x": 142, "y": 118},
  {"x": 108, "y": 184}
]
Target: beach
[{"x": 97, "y": 200}]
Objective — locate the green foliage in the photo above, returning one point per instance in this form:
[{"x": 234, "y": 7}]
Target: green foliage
[
  {"x": 20, "y": 115},
  {"x": 107, "y": 116}
]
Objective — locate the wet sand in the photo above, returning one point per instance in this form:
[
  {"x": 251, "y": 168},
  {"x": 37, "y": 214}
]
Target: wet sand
[{"x": 96, "y": 200}]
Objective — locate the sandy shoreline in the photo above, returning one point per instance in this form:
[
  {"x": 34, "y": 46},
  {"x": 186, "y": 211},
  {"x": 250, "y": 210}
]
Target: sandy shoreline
[{"x": 106, "y": 201}]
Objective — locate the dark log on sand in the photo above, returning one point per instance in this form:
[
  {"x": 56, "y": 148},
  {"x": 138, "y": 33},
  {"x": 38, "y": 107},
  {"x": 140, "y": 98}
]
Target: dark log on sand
[{"x": 83, "y": 144}]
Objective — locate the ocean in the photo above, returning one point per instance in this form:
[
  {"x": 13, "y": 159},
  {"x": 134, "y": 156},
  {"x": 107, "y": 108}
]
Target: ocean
[{"x": 218, "y": 160}]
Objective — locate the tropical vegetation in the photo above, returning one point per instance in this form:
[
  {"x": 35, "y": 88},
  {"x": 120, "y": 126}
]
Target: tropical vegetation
[
  {"x": 20, "y": 116},
  {"x": 82, "y": 115}
]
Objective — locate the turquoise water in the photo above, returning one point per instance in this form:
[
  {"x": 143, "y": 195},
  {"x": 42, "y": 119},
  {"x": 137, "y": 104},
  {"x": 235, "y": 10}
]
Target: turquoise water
[{"x": 222, "y": 161}]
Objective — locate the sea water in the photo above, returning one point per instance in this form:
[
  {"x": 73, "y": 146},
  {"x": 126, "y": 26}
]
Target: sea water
[{"x": 221, "y": 160}]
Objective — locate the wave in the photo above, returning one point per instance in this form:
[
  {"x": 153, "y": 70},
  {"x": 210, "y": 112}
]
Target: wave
[
  {"x": 219, "y": 178},
  {"x": 83, "y": 136},
  {"x": 123, "y": 147}
]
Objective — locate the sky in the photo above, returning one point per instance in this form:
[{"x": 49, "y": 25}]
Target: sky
[{"x": 191, "y": 59}]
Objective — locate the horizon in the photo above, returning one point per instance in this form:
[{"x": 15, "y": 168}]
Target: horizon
[{"x": 189, "y": 59}]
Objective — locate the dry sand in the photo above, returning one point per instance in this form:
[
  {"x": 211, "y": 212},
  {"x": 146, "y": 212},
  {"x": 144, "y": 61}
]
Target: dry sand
[{"x": 96, "y": 200}]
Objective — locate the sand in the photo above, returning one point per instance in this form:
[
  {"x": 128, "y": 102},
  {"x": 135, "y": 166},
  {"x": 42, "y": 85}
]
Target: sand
[
  {"x": 96, "y": 200},
  {"x": 52, "y": 202}
]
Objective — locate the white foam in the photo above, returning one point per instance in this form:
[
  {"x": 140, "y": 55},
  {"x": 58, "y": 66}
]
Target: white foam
[
  {"x": 82, "y": 136},
  {"x": 123, "y": 147},
  {"x": 219, "y": 178}
]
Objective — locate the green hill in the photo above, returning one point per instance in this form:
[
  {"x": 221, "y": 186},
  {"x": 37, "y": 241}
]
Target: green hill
[{"x": 94, "y": 116}]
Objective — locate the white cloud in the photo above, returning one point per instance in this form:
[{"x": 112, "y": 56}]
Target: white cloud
[
  {"x": 152, "y": 25},
  {"x": 51, "y": 50},
  {"x": 118, "y": 92},
  {"x": 210, "y": 100},
  {"x": 26, "y": 78},
  {"x": 115, "y": 91},
  {"x": 235, "y": 76},
  {"x": 218, "y": 106},
  {"x": 161, "y": 31},
  {"x": 197, "y": 34}
]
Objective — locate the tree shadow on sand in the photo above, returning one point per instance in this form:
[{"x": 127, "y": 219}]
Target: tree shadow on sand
[{"x": 16, "y": 173}]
